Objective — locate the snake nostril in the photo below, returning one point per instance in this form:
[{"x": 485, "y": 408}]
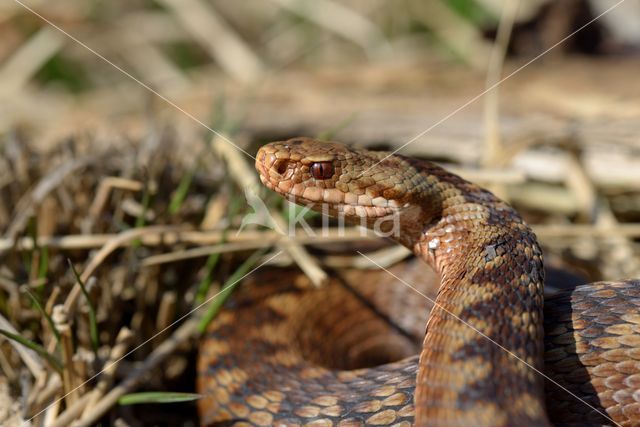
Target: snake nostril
[{"x": 281, "y": 166}]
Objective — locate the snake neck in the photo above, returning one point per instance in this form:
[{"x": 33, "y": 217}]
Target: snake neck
[
  {"x": 483, "y": 341},
  {"x": 484, "y": 337}
]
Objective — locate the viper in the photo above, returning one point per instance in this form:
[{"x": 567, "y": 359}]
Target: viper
[{"x": 495, "y": 353}]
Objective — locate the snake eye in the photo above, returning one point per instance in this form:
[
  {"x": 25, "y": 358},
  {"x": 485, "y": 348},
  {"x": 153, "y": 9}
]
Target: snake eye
[{"x": 321, "y": 170}]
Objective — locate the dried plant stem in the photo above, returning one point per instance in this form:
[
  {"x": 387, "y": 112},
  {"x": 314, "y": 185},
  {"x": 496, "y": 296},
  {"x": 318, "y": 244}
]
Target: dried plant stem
[
  {"x": 179, "y": 337},
  {"x": 251, "y": 239},
  {"x": 494, "y": 149},
  {"x": 111, "y": 245},
  {"x": 44, "y": 390},
  {"x": 69, "y": 378},
  {"x": 88, "y": 400},
  {"x": 47, "y": 184},
  {"x": 166, "y": 310},
  {"x": 102, "y": 196}
]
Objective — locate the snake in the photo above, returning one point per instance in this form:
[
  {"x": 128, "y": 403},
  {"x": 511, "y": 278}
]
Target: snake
[{"x": 486, "y": 350}]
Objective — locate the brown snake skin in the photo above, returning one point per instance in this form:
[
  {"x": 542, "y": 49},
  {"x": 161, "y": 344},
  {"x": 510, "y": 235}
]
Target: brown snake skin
[{"x": 285, "y": 355}]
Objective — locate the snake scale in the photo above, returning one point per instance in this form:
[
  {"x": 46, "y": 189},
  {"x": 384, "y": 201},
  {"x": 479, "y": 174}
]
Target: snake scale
[{"x": 345, "y": 355}]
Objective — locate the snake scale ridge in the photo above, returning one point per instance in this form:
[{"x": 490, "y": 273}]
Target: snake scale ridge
[{"x": 284, "y": 355}]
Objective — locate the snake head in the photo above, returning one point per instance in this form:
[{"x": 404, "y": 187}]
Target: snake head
[{"x": 335, "y": 179}]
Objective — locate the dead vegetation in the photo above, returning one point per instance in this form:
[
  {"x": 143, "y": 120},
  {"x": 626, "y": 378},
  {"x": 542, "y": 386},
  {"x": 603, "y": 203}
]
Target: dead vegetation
[{"x": 136, "y": 194}]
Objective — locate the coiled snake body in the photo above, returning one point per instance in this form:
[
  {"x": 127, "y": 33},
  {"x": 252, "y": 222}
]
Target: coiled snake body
[{"x": 284, "y": 356}]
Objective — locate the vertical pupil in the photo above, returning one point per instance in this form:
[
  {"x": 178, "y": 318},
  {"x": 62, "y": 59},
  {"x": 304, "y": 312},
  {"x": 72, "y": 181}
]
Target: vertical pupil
[{"x": 322, "y": 170}]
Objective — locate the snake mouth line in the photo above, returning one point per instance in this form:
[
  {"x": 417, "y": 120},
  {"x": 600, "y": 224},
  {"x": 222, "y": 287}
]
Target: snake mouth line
[
  {"x": 389, "y": 209},
  {"x": 350, "y": 211}
]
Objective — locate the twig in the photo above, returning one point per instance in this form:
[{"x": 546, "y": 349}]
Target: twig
[
  {"x": 251, "y": 239},
  {"x": 205, "y": 251},
  {"x": 171, "y": 235},
  {"x": 385, "y": 257}
]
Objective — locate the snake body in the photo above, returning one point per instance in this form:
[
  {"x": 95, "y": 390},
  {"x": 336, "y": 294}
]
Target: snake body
[{"x": 286, "y": 356}]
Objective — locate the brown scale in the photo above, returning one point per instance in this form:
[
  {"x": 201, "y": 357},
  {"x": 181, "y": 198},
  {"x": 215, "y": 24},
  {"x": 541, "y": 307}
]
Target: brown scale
[{"x": 284, "y": 356}]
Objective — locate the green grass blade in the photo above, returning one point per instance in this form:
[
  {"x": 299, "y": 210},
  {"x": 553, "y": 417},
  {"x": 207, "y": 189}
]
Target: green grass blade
[
  {"x": 228, "y": 287},
  {"x": 53, "y": 361},
  {"x": 141, "y": 219},
  {"x": 27, "y": 256},
  {"x": 329, "y": 134},
  {"x": 46, "y": 315},
  {"x": 157, "y": 397},
  {"x": 474, "y": 12},
  {"x": 43, "y": 268},
  {"x": 181, "y": 191},
  {"x": 212, "y": 261},
  {"x": 205, "y": 283},
  {"x": 93, "y": 323},
  {"x": 146, "y": 200}
]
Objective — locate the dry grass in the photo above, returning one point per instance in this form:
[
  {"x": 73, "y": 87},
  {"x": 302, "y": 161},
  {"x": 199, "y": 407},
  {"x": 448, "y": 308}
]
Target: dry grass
[
  {"x": 145, "y": 203},
  {"x": 54, "y": 199},
  {"x": 147, "y": 262}
]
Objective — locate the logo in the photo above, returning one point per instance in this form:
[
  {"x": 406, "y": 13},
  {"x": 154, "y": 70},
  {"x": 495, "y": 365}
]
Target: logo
[{"x": 297, "y": 215}]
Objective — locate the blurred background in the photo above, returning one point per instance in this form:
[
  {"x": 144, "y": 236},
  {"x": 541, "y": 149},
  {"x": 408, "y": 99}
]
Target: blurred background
[
  {"x": 121, "y": 123},
  {"x": 258, "y": 52}
]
